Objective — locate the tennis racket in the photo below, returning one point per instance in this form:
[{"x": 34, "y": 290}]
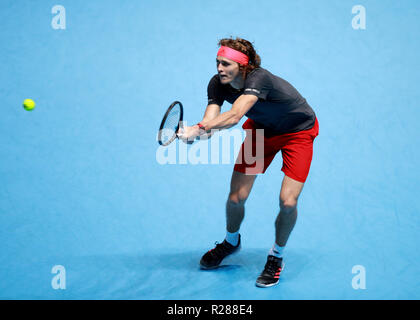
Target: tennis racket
[{"x": 171, "y": 123}]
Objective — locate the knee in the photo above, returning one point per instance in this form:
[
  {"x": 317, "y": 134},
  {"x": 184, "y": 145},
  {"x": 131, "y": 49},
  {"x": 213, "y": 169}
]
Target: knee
[
  {"x": 288, "y": 203},
  {"x": 238, "y": 197}
]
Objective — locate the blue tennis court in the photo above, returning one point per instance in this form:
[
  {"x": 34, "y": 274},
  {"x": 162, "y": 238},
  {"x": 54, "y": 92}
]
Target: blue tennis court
[{"x": 87, "y": 210}]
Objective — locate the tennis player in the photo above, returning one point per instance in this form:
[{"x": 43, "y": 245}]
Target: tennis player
[{"x": 288, "y": 125}]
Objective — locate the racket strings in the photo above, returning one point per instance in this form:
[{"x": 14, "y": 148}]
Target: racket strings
[
  {"x": 171, "y": 124},
  {"x": 173, "y": 120}
]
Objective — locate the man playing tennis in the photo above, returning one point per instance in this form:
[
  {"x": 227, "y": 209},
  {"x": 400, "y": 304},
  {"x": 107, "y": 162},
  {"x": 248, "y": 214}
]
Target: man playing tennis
[{"x": 290, "y": 126}]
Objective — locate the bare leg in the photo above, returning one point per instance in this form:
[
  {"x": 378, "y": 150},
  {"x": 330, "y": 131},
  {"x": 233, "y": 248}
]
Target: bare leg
[
  {"x": 240, "y": 187},
  {"x": 286, "y": 219}
]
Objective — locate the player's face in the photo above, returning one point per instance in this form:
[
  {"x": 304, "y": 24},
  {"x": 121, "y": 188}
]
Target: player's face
[{"x": 228, "y": 70}]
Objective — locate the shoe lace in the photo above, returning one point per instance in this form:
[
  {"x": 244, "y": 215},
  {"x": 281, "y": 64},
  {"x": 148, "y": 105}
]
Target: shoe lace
[
  {"x": 220, "y": 249},
  {"x": 271, "y": 267}
]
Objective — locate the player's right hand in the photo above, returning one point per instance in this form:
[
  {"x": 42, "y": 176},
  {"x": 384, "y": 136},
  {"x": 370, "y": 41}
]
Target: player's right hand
[{"x": 188, "y": 134}]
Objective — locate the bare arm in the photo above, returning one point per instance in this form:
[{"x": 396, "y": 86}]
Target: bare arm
[
  {"x": 233, "y": 116},
  {"x": 212, "y": 111},
  {"x": 213, "y": 119}
]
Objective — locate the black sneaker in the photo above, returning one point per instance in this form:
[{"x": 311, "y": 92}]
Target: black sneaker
[
  {"x": 214, "y": 257},
  {"x": 270, "y": 276}
]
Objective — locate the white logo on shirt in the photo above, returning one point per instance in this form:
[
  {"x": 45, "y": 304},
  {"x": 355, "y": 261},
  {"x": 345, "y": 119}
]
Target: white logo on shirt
[{"x": 254, "y": 90}]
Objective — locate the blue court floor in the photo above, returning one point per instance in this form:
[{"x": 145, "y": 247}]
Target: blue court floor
[{"x": 88, "y": 212}]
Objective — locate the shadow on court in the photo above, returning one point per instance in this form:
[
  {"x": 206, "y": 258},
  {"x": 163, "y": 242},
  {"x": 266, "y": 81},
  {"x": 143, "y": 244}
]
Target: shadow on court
[
  {"x": 151, "y": 275},
  {"x": 174, "y": 275},
  {"x": 161, "y": 275}
]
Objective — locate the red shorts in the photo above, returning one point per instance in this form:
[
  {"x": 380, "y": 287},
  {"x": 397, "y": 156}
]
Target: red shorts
[{"x": 296, "y": 149}]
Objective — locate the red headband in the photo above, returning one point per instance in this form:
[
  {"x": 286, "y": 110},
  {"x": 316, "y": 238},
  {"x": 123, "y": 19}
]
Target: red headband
[{"x": 233, "y": 54}]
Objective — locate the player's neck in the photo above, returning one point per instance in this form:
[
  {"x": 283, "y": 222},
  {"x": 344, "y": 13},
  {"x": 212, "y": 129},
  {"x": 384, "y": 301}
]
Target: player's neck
[{"x": 238, "y": 83}]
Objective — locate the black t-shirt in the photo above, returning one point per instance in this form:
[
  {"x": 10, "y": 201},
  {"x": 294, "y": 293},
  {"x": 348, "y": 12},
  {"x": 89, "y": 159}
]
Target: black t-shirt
[{"x": 280, "y": 107}]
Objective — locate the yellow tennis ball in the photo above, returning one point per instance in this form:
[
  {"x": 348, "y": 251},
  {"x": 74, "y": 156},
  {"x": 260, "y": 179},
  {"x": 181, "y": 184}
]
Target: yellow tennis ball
[{"x": 29, "y": 104}]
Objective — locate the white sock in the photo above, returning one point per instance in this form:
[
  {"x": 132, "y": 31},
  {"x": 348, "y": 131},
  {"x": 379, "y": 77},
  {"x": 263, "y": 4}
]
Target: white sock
[
  {"x": 232, "y": 238},
  {"x": 276, "y": 251}
]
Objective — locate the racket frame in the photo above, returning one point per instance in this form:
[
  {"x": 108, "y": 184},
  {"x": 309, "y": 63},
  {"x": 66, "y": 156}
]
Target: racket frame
[{"x": 181, "y": 116}]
